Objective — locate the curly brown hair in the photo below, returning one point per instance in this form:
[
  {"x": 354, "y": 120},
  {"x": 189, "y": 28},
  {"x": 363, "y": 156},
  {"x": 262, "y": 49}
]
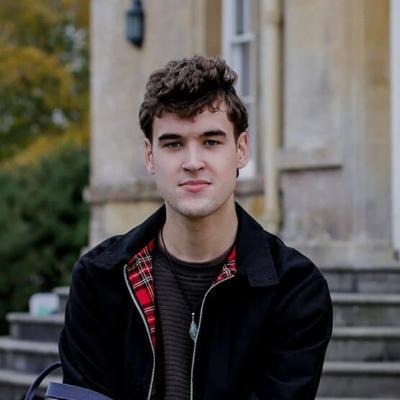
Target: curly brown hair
[{"x": 185, "y": 87}]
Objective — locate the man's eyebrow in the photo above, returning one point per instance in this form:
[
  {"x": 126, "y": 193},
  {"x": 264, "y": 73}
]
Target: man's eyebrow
[
  {"x": 216, "y": 132},
  {"x": 174, "y": 136},
  {"x": 169, "y": 136}
]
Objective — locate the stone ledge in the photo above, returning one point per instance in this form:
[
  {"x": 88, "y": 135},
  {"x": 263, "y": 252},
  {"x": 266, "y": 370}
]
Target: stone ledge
[
  {"x": 55, "y": 319},
  {"x": 61, "y": 290},
  {"x": 378, "y": 268},
  {"x": 362, "y": 367},
  {"x": 356, "y": 398},
  {"x": 365, "y": 299},
  {"x": 366, "y": 332},
  {"x": 24, "y": 379},
  {"x": 346, "y": 254},
  {"x": 325, "y": 157},
  {"x": 31, "y": 346}
]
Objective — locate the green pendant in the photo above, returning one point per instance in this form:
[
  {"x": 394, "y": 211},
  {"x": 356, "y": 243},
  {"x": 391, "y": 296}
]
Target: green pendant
[{"x": 193, "y": 329}]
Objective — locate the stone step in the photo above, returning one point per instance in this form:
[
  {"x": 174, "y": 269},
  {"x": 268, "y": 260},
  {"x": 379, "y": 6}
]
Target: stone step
[
  {"x": 364, "y": 344},
  {"x": 26, "y": 356},
  {"x": 360, "y": 379},
  {"x": 363, "y": 279},
  {"x": 366, "y": 309},
  {"x": 13, "y": 385},
  {"x": 62, "y": 293},
  {"x": 28, "y": 327}
]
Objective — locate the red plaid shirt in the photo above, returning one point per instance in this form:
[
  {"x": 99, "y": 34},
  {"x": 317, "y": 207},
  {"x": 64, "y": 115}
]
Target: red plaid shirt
[{"x": 140, "y": 277}]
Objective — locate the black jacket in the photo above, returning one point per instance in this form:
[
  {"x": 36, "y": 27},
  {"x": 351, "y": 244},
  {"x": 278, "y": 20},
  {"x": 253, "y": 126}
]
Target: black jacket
[{"x": 263, "y": 333}]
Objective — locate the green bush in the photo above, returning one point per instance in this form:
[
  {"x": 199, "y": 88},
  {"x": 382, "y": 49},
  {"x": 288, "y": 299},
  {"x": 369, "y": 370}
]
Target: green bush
[{"x": 43, "y": 226}]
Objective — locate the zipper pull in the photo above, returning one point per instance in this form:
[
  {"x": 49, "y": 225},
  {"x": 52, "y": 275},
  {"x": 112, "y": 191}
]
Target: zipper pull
[{"x": 193, "y": 330}]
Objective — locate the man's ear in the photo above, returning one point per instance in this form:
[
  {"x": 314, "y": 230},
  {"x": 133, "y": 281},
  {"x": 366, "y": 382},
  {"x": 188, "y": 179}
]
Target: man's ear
[
  {"x": 242, "y": 150},
  {"x": 148, "y": 157}
]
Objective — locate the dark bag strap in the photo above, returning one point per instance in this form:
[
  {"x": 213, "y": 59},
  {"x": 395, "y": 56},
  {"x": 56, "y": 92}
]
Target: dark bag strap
[
  {"x": 30, "y": 394},
  {"x": 62, "y": 391}
]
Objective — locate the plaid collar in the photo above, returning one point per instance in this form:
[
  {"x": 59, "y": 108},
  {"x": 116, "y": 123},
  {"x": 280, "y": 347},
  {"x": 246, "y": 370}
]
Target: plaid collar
[{"x": 140, "y": 278}]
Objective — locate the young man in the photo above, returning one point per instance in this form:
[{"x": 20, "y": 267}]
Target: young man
[{"x": 198, "y": 302}]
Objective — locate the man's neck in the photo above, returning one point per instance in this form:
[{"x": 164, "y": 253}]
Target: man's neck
[{"x": 200, "y": 239}]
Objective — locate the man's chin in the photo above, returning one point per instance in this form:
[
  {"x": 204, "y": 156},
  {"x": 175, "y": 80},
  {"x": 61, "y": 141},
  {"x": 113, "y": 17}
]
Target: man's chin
[{"x": 195, "y": 209}]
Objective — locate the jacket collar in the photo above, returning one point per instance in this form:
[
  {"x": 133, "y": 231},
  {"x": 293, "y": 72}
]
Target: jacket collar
[{"x": 253, "y": 255}]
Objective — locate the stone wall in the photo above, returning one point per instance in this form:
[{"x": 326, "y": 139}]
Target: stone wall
[
  {"x": 336, "y": 135},
  {"x": 334, "y": 158}
]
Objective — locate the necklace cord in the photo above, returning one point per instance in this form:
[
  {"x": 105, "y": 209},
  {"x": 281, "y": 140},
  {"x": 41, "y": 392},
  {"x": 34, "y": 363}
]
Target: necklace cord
[{"x": 177, "y": 279}]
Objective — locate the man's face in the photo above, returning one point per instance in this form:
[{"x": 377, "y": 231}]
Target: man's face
[{"x": 195, "y": 161}]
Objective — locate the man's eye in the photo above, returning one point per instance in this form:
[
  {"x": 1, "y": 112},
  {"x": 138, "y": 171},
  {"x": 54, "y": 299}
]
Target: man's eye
[
  {"x": 173, "y": 145},
  {"x": 212, "y": 143}
]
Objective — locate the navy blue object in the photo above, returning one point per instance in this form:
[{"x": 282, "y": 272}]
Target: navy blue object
[{"x": 62, "y": 391}]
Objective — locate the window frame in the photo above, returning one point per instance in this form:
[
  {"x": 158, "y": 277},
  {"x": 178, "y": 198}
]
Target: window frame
[{"x": 233, "y": 45}]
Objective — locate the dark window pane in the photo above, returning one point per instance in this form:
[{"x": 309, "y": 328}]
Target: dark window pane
[
  {"x": 238, "y": 10},
  {"x": 245, "y": 70},
  {"x": 247, "y": 16}
]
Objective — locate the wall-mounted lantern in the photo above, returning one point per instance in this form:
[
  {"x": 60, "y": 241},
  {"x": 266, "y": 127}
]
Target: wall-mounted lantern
[{"x": 135, "y": 23}]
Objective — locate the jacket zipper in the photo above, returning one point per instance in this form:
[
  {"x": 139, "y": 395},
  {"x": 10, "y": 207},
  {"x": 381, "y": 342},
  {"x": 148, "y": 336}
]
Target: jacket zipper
[
  {"x": 147, "y": 330},
  {"x": 198, "y": 331}
]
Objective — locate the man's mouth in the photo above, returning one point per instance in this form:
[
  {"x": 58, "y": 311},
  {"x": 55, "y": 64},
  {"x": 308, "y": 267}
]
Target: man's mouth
[{"x": 194, "y": 185}]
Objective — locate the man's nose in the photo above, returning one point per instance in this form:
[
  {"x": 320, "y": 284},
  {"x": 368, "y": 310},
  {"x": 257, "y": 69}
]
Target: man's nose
[{"x": 193, "y": 160}]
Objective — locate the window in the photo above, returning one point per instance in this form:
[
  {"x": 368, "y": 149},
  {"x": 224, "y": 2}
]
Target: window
[{"x": 238, "y": 46}]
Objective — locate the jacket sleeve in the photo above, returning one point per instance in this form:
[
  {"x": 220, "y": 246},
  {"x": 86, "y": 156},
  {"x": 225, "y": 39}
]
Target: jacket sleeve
[
  {"x": 84, "y": 345},
  {"x": 302, "y": 328}
]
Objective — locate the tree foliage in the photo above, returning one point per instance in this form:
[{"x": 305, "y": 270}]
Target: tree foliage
[
  {"x": 43, "y": 225},
  {"x": 43, "y": 145},
  {"x": 43, "y": 69}
]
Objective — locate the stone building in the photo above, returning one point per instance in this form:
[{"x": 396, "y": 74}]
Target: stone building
[
  {"x": 321, "y": 84},
  {"x": 321, "y": 80}
]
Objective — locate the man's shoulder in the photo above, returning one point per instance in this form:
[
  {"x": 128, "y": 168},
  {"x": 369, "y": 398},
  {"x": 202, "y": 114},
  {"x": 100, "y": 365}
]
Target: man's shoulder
[
  {"x": 266, "y": 259},
  {"x": 290, "y": 261},
  {"x": 90, "y": 256},
  {"x": 108, "y": 253},
  {"x": 87, "y": 269},
  {"x": 117, "y": 250}
]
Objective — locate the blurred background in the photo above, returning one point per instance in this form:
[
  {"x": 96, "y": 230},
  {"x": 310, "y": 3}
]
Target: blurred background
[
  {"x": 44, "y": 138},
  {"x": 321, "y": 81}
]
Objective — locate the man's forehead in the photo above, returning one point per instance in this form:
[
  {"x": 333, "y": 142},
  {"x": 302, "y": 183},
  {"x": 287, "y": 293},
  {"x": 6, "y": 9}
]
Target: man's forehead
[{"x": 206, "y": 121}]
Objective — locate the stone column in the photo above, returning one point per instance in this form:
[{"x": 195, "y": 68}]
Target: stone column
[{"x": 335, "y": 160}]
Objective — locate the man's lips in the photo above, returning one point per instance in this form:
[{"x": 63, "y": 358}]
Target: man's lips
[{"x": 194, "y": 185}]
